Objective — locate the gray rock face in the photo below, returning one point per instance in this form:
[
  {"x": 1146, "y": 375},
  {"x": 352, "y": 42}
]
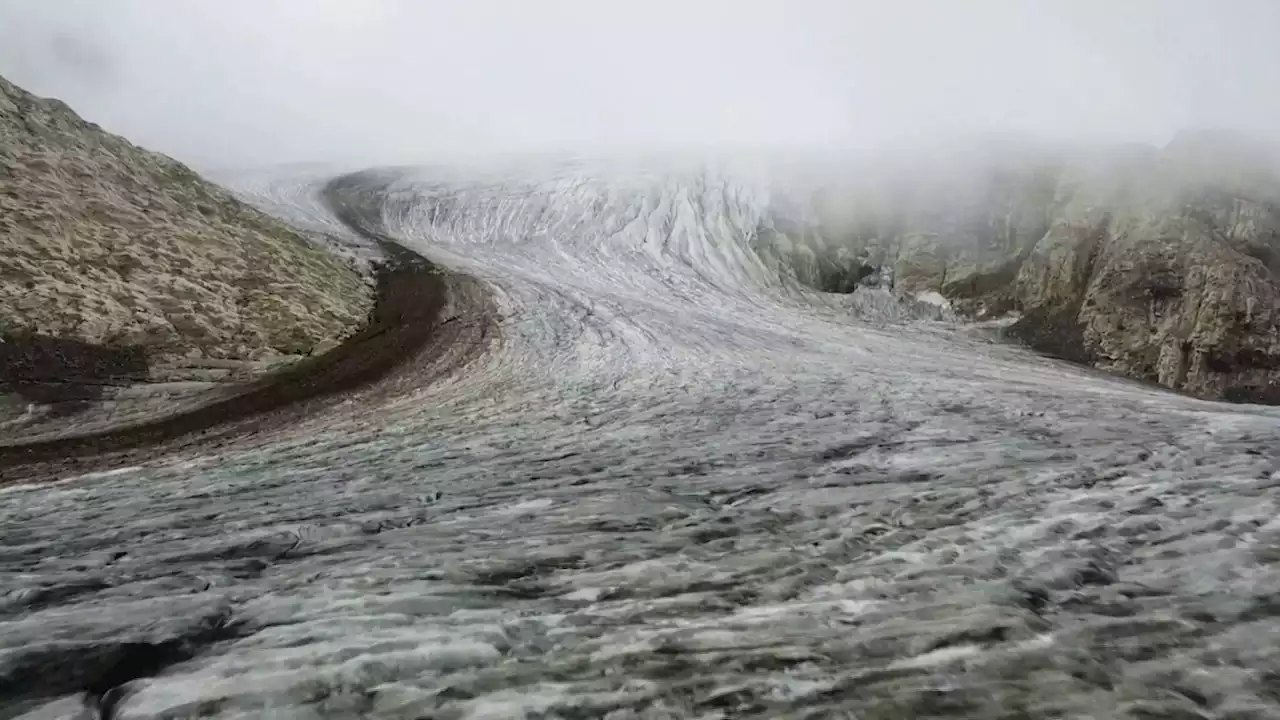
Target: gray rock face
[
  {"x": 1159, "y": 265},
  {"x": 106, "y": 243}
]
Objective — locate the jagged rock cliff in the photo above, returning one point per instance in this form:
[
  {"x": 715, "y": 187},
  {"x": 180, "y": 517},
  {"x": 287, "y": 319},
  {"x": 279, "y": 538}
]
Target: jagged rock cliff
[
  {"x": 1178, "y": 277},
  {"x": 1161, "y": 265},
  {"x": 106, "y": 243}
]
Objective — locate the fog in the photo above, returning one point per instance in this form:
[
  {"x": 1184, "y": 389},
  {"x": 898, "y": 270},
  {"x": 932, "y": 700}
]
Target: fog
[{"x": 250, "y": 82}]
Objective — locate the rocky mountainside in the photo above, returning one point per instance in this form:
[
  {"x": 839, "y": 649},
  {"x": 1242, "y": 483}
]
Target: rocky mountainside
[
  {"x": 1158, "y": 264},
  {"x": 105, "y": 243}
]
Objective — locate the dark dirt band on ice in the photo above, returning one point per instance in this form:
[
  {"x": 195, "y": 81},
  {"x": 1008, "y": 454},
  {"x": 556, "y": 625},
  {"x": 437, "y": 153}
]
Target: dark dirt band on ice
[{"x": 411, "y": 296}]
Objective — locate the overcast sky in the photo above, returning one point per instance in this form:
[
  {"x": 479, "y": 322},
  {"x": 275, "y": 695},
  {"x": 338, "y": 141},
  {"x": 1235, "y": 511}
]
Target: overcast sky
[{"x": 263, "y": 81}]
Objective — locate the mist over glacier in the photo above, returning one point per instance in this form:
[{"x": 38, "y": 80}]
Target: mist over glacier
[
  {"x": 650, "y": 468},
  {"x": 260, "y": 82}
]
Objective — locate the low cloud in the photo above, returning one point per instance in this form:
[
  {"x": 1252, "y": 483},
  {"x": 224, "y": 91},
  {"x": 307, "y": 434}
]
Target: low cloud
[{"x": 262, "y": 81}]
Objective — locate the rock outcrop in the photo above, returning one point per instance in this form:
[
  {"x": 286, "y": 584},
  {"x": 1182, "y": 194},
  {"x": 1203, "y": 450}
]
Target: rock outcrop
[
  {"x": 1160, "y": 265},
  {"x": 105, "y": 243}
]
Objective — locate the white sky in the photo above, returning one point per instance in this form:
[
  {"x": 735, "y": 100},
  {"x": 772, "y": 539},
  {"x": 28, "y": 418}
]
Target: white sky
[{"x": 262, "y": 81}]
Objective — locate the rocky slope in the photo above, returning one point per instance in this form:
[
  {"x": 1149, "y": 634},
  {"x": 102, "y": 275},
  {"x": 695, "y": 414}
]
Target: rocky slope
[
  {"x": 106, "y": 243},
  {"x": 1161, "y": 265}
]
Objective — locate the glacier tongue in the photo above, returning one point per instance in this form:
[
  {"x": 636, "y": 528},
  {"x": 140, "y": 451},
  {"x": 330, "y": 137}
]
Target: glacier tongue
[{"x": 677, "y": 484}]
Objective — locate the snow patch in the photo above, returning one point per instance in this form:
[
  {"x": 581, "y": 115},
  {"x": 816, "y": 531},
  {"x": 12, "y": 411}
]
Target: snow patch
[{"x": 931, "y": 297}]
